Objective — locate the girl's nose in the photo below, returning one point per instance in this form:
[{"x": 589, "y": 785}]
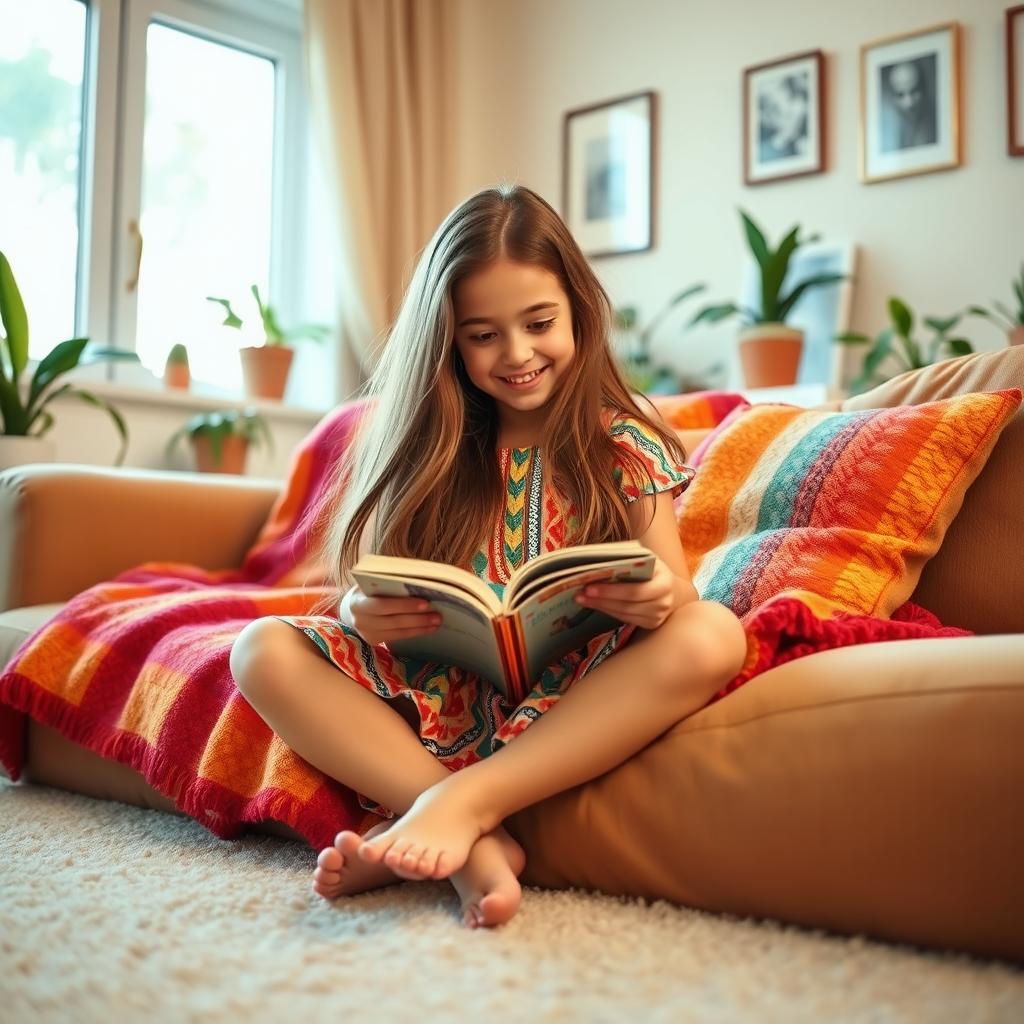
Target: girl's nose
[{"x": 519, "y": 349}]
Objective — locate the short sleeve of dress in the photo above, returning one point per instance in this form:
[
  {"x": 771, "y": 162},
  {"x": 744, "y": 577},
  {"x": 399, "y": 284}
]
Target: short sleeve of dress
[{"x": 664, "y": 472}]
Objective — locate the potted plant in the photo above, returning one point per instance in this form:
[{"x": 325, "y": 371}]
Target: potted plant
[
  {"x": 25, "y": 413},
  {"x": 896, "y": 344},
  {"x": 265, "y": 367},
  {"x": 641, "y": 375},
  {"x": 1011, "y": 321},
  {"x": 770, "y": 349},
  {"x": 176, "y": 369},
  {"x": 221, "y": 439}
]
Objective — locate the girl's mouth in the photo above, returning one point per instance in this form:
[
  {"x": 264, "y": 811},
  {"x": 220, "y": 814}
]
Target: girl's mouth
[{"x": 523, "y": 381}]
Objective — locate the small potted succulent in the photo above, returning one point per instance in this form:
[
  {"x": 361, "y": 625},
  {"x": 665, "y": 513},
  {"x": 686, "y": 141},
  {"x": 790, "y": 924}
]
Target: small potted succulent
[
  {"x": 221, "y": 439},
  {"x": 176, "y": 369},
  {"x": 26, "y": 414},
  {"x": 265, "y": 367},
  {"x": 897, "y": 345},
  {"x": 770, "y": 349},
  {"x": 1009, "y": 320}
]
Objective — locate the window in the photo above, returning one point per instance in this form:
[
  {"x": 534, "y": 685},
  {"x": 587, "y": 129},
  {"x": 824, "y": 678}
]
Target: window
[
  {"x": 155, "y": 153},
  {"x": 42, "y": 58}
]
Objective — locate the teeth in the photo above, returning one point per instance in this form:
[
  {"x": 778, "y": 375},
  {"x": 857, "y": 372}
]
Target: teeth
[{"x": 524, "y": 379}]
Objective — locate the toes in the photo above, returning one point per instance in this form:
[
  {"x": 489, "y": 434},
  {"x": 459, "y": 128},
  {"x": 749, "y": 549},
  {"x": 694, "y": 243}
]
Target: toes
[
  {"x": 348, "y": 844},
  {"x": 326, "y": 877},
  {"x": 330, "y": 859},
  {"x": 394, "y": 854},
  {"x": 447, "y": 863},
  {"x": 374, "y": 850},
  {"x": 427, "y": 862}
]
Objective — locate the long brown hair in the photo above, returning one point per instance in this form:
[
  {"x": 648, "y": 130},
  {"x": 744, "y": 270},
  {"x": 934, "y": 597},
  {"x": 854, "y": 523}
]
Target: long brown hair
[{"x": 422, "y": 477}]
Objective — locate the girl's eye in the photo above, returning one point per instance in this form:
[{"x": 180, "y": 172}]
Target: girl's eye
[{"x": 538, "y": 327}]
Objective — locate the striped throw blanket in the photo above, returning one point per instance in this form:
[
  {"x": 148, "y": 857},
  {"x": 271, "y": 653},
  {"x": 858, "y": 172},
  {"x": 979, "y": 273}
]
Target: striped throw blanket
[{"x": 136, "y": 669}]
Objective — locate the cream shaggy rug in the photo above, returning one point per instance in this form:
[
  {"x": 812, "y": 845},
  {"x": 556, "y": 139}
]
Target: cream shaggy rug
[{"x": 110, "y": 913}]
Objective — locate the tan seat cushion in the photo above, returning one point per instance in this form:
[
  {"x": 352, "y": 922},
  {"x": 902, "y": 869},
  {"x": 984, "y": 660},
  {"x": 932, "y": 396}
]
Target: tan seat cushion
[{"x": 975, "y": 580}]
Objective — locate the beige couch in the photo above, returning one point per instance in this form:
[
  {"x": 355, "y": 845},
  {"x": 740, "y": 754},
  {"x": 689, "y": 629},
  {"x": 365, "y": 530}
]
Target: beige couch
[{"x": 872, "y": 789}]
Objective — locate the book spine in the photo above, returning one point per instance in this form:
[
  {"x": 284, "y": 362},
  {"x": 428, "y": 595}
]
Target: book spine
[
  {"x": 517, "y": 640},
  {"x": 508, "y": 664}
]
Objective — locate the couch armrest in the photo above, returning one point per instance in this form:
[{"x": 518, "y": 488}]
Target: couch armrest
[{"x": 64, "y": 528}]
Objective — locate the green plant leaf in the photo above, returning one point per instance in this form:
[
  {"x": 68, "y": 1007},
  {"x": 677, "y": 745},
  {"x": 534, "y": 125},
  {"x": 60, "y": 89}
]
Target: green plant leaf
[
  {"x": 773, "y": 276},
  {"x": 942, "y": 324},
  {"x": 100, "y": 354},
  {"x": 756, "y": 241},
  {"x": 1002, "y": 309},
  {"x": 100, "y": 403},
  {"x": 876, "y": 354},
  {"x": 230, "y": 320},
  {"x": 960, "y": 346},
  {"x": 15, "y": 320},
  {"x": 59, "y": 360},
  {"x": 816, "y": 281},
  {"x": 851, "y": 338},
  {"x": 13, "y": 420},
  {"x": 712, "y": 314},
  {"x": 902, "y": 318}
]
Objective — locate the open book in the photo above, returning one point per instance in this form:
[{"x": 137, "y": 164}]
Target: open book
[{"x": 509, "y": 642}]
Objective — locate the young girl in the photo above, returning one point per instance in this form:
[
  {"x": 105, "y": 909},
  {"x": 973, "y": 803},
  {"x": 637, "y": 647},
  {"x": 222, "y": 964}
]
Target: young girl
[{"x": 502, "y": 429}]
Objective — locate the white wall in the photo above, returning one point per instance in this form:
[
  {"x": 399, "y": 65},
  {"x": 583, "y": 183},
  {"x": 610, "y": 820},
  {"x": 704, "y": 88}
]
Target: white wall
[{"x": 940, "y": 240}]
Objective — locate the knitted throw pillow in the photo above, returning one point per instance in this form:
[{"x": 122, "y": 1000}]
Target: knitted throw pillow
[
  {"x": 697, "y": 410},
  {"x": 847, "y": 506}
]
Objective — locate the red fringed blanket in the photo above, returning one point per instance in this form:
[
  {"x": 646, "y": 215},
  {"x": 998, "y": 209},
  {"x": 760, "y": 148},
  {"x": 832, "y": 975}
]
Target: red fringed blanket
[{"x": 136, "y": 669}]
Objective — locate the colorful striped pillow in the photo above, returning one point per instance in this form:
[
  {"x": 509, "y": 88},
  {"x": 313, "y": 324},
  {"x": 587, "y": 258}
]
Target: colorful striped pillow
[
  {"x": 698, "y": 410},
  {"x": 847, "y": 506}
]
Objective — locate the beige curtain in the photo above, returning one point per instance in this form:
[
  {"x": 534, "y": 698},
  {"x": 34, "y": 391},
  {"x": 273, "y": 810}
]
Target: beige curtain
[{"x": 382, "y": 106}]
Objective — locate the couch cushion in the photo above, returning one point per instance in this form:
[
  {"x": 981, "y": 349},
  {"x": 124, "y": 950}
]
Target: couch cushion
[
  {"x": 847, "y": 506},
  {"x": 975, "y": 579},
  {"x": 872, "y": 789}
]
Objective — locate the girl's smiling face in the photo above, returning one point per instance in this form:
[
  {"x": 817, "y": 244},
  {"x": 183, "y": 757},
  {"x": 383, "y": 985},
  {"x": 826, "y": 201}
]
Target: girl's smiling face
[{"x": 513, "y": 329}]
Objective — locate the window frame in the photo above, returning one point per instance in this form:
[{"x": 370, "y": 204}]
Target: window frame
[{"x": 112, "y": 159}]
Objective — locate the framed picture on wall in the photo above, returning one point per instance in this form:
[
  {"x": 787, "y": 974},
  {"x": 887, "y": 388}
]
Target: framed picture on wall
[
  {"x": 608, "y": 175},
  {"x": 1015, "y": 80},
  {"x": 784, "y": 118},
  {"x": 910, "y": 103}
]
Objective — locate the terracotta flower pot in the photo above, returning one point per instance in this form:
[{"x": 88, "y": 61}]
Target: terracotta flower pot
[
  {"x": 770, "y": 355},
  {"x": 20, "y": 451},
  {"x": 265, "y": 370},
  {"x": 233, "y": 453},
  {"x": 1016, "y": 336},
  {"x": 177, "y": 375}
]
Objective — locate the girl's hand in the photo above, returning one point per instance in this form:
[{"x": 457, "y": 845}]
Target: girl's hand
[
  {"x": 646, "y": 604},
  {"x": 380, "y": 619}
]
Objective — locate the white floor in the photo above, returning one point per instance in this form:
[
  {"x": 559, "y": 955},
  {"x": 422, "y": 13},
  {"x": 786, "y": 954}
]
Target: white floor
[{"x": 110, "y": 913}]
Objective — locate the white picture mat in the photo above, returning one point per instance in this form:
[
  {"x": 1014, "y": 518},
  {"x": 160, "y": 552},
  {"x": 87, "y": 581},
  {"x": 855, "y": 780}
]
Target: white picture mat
[
  {"x": 821, "y": 312},
  {"x": 944, "y": 150},
  {"x": 770, "y": 78},
  {"x": 626, "y": 130}
]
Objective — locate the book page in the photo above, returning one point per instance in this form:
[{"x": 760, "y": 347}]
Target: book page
[
  {"x": 464, "y": 638},
  {"x": 421, "y": 569},
  {"x": 552, "y": 623},
  {"x": 555, "y": 562}
]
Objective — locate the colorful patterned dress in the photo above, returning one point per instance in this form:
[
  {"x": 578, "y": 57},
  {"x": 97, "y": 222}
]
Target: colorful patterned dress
[{"x": 463, "y": 718}]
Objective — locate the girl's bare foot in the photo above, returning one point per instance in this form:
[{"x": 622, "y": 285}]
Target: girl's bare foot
[
  {"x": 487, "y": 884},
  {"x": 341, "y": 872},
  {"x": 433, "y": 838}
]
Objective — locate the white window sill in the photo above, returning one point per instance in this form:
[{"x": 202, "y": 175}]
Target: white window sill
[{"x": 198, "y": 398}]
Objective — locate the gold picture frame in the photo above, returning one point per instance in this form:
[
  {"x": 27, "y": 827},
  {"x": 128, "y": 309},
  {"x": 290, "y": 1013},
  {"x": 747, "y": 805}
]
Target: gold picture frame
[{"x": 910, "y": 103}]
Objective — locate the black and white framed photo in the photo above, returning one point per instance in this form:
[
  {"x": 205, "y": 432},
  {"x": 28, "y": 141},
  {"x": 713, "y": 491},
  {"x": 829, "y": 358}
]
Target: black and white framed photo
[
  {"x": 784, "y": 118},
  {"x": 910, "y": 103},
  {"x": 608, "y": 175},
  {"x": 1015, "y": 80}
]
